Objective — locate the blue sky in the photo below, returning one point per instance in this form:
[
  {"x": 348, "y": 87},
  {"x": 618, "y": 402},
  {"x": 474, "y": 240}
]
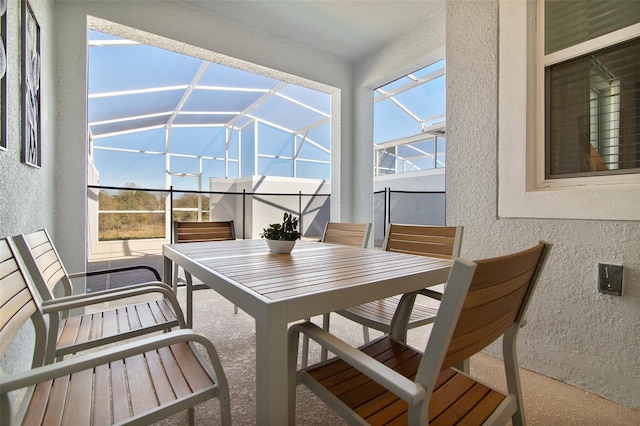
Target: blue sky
[{"x": 136, "y": 86}]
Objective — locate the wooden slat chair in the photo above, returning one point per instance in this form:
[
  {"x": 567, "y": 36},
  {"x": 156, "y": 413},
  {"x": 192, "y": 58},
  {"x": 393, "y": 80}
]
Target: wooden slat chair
[
  {"x": 388, "y": 382},
  {"x": 197, "y": 232},
  {"x": 434, "y": 241},
  {"x": 140, "y": 382},
  {"x": 346, "y": 234},
  {"x": 70, "y": 334}
]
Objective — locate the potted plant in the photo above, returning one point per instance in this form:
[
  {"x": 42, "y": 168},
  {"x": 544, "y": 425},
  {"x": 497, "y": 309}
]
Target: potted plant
[{"x": 281, "y": 237}]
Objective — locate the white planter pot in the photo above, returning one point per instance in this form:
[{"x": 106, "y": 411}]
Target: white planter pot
[{"x": 280, "y": 246}]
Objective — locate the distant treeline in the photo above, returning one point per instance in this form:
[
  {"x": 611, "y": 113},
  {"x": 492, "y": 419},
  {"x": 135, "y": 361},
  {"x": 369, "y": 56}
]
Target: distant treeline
[{"x": 124, "y": 226}]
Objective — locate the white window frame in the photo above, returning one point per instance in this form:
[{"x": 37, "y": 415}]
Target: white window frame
[{"x": 523, "y": 190}]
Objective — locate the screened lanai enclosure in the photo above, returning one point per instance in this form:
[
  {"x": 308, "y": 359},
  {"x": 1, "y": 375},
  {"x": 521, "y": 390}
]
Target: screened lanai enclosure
[
  {"x": 163, "y": 120},
  {"x": 177, "y": 137},
  {"x": 193, "y": 119}
]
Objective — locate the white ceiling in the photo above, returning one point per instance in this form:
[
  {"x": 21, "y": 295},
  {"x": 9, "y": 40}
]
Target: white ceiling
[{"x": 347, "y": 29}]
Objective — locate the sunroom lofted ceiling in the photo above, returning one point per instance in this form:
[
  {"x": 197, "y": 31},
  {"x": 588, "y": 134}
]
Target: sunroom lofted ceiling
[{"x": 135, "y": 87}]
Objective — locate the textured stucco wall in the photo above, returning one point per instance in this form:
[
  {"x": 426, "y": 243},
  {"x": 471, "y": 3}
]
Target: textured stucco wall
[
  {"x": 27, "y": 196},
  {"x": 26, "y": 193},
  {"x": 574, "y": 333}
]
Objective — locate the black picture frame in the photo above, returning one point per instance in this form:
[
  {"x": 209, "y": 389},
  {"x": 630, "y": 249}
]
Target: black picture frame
[
  {"x": 3, "y": 74},
  {"x": 31, "y": 105}
]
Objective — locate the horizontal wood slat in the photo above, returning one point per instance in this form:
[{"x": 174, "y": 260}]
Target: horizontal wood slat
[
  {"x": 311, "y": 267},
  {"x": 102, "y": 405},
  {"x": 425, "y": 230},
  {"x": 56, "y": 401},
  {"x": 494, "y": 302},
  {"x": 136, "y": 385},
  {"x": 347, "y": 234},
  {"x": 36, "y": 238},
  {"x": 455, "y": 394},
  {"x": 14, "y": 314},
  {"x": 112, "y": 393},
  {"x": 38, "y": 404},
  {"x": 383, "y": 310},
  {"x": 174, "y": 375},
  {"x": 104, "y": 327},
  {"x": 428, "y": 241},
  {"x": 80, "y": 390},
  {"x": 421, "y": 240},
  {"x": 90, "y": 330},
  {"x": 185, "y": 232},
  {"x": 50, "y": 268}
]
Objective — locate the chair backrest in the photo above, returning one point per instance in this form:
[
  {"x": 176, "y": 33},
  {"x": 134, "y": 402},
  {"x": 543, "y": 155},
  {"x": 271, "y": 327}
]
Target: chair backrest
[
  {"x": 43, "y": 263},
  {"x": 191, "y": 232},
  {"x": 17, "y": 303},
  {"x": 496, "y": 301},
  {"x": 434, "y": 241},
  {"x": 347, "y": 234}
]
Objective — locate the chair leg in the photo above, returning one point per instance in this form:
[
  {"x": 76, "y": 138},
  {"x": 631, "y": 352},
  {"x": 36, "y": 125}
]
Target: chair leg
[
  {"x": 513, "y": 374},
  {"x": 365, "y": 334},
  {"x": 464, "y": 366},
  {"x": 191, "y": 418},
  {"x": 293, "y": 340},
  {"x": 174, "y": 282},
  {"x": 326, "y": 318},
  {"x": 305, "y": 349},
  {"x": 189, "y": 297},
  {"x": 52, "y": 339}
]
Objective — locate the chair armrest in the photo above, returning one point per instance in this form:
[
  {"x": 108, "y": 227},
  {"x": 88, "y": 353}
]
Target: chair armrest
[
  {"x": 115, "y": 270},
  {"x": 93, "y": 359},
  {"x": 157, "y": 284},
  {"x": 81, "y": 300},
  {"x": 403, "y": 387}
]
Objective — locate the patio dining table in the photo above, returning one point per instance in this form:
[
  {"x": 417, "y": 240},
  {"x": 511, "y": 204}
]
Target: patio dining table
[{"x": 278, "y": 289}]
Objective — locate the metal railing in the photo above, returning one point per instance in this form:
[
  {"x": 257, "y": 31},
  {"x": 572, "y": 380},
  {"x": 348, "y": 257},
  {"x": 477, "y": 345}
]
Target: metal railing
[
  {"x": 312, "y": 209},
  {"x": 409, "y": 207},
  {"x": 307, "y": 206}
]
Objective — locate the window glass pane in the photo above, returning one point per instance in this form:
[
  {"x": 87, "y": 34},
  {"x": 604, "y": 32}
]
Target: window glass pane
[
  {"x": 207, "y": 141},
  {"x": 184, "y": 183},
  {"x": 321, "y": 135},
  {"x": 408, "y": 113},
  {"x": 569, "y": 22},
  {"x": 312, "y": 170},
  {"x": 391, "y": 122},
  {"x": 233, "y": 147},
  {"x": 130, "y": 169},
  {"x": 309, "y": 151},
  {"x": 135, "y": 88},
  {"x": 441, "y": 154},
  {"x": 184, "y": 165},
  {"x": 427, "y": 101},
  {"x": 386, "y": 161},
  {"x": 275, "y": 167},
  {"x": 214, "y": 168},
  {"x": 593, "y": 113},
  {"x": 273, "y": 141},
  {"x": 248, "y": 151},
  {"x": 150, "y": 140},
  {"x": 234, "y": 169}
]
